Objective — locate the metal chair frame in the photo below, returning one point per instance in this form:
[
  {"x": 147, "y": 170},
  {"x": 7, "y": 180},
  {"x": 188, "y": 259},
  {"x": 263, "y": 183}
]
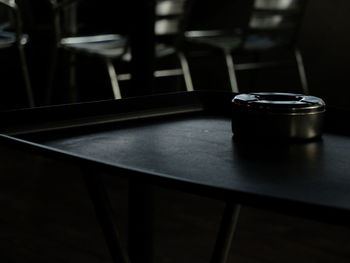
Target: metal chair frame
[
  {"x": 166, "y": 13},
  {"x": 19, "y": 40},
  {"x": 242, "y": 33},
  {"x": 124, "y": 55},
  {"x": 67, "y": 8}
]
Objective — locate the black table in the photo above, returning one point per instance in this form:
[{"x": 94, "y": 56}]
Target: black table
[{"x": 184, "y": 141}]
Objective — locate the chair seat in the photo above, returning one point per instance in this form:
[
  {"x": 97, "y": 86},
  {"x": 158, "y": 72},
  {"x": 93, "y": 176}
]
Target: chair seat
[
  {"x": 227, "y": 43},
  {"x": 8, "y": 39},
  {"x": 230, "y": 43},
  {"x": 161, "y": 51},
  {"x": 111, "y": 45},
  {"x": 256, "y": 42}
]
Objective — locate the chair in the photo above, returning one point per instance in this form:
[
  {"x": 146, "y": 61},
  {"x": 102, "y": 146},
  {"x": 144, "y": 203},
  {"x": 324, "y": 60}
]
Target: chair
[
  {"x": 11, "y": 36},
  {"x": 170, "y": 22},
  {"x": 113, "y": 48},
  {"x": 271, "y": 25}
]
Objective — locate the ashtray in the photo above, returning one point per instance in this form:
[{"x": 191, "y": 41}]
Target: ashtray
[{"x": 277, "y": 115}]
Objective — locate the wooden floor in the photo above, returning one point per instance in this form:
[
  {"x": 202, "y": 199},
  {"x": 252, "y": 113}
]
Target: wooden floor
[{"x": 46, "y": 217}]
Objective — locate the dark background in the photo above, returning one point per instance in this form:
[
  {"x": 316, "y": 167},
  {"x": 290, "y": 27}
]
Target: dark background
[
  {"x": 323, "y": 40},
  {"x": 46, "y": 215}
]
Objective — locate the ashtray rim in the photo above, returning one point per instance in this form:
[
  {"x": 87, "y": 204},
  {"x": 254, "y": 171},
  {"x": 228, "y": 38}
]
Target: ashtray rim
[{"x": 279, "y": 102}]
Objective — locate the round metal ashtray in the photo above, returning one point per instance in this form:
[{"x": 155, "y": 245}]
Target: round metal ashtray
[{"x": 277, "y": 115}]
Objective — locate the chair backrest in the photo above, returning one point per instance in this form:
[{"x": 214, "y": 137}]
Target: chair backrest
[
  {"x": 9, "y": 3},
  {"x": 277, "y": 4},
  {"x": 278, "y": 19},
  {"x": 64, "y": 18},
  {"x": 13, "y": 18},
  {"x": 171, "y": 20}
]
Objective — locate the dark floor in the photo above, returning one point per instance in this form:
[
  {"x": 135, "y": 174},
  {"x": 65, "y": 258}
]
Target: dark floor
[{"x": 47, "y": 217}]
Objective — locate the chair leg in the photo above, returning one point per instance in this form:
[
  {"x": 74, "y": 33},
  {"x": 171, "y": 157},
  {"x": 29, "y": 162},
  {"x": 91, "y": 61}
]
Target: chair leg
[
  {"x": 231, "y": 71},
  {"x": 72, "y": 78},
  {"x": 114, "y": 79},
  {"x": 254, "y": 74},
  {"x": 301, "y": 70},
  {"x": 51, "y": 77},
  {"x": 25, "y": 71},
  {"x": 186, "y": 71}
]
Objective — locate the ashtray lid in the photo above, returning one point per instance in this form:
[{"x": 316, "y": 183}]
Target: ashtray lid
[{"x": 279, "y": 102}]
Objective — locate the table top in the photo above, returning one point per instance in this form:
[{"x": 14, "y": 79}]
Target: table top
[{"x": 195, "y": 149}]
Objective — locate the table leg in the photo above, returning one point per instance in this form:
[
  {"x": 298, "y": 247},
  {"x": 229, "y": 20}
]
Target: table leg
[
  {"x": 104, "y": 214},
  {"x": 226, "y": 232},
  {"x": 140, "y": 221}
]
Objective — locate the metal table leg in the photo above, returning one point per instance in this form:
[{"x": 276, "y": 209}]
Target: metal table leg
[
  {"x": 226, "y": 232},
  {"x": 104, "y": 214},
  {"x": 140, "y": 221},
  {"x": 140, "y": 225}
]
